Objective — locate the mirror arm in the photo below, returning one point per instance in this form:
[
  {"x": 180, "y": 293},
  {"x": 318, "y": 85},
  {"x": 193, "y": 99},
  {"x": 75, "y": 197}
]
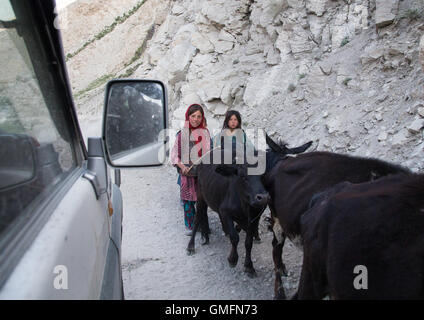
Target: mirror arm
[
  {"x": 96, "y": 166},
  {"x": 118, "y": 177},
  {"x": 92, "y": 177}
]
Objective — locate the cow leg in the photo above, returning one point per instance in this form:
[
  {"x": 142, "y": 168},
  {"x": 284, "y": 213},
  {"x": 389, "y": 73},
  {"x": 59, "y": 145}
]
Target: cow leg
[
  {"x": 256, "y": 237},
  {"x": 277, "y": 255},
  {"x": 202, "y": 209},
  {"x": 313, "y": 284},
  {"x": 201, "y": 214},
  {"x": 248, "y": 265},
  {"x": 238, "y": 228},
  {"x": 278, "y": 244},
  {"x": 306, "y": 285},
  {"x": 234, "y": 237},
  {"x": 223, "y": 224},
  {"x": 279, "y": 267}
]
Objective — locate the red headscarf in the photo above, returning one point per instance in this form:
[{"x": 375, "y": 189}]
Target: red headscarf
[
  {"x": 187, "y": 123},
  {"x": 200, "y": 133}
]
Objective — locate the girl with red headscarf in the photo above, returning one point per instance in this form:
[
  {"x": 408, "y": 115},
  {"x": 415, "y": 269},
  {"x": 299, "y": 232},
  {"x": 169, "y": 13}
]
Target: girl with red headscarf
[{"x": 193, "y": 137}]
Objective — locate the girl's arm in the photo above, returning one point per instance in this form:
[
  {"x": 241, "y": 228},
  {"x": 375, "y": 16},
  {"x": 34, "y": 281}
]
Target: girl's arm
[{"x": 175, "y": 159}]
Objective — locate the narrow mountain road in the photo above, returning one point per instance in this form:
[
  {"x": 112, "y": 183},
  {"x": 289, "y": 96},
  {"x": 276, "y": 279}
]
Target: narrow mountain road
[{"x": 154, "y": 260}]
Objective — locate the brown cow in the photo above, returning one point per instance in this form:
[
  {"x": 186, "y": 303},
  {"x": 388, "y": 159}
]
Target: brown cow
[
  {"x": 293, "y": 181},
  {"x": 365, "y": 241}
]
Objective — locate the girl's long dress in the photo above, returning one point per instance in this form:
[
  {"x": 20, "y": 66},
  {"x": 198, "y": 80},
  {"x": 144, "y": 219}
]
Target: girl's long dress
[{"x": 188, "y": 184}]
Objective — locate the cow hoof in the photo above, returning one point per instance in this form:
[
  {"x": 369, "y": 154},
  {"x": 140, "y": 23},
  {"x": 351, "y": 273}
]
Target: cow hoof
[
  {"x": 232, "y": 262},
  {"x": 257, "y": 240},
  {"x": 205, "y": 241},
  {"x": 251, "y": 273},
  {"x": 190, "y": 251},
  {"x": 280, "y": 295},
  {"x": 295, "y": 296}
]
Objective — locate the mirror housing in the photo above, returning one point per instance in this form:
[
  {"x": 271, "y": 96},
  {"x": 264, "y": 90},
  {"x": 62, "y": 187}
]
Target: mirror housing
[{"x": 135, "y": 120}]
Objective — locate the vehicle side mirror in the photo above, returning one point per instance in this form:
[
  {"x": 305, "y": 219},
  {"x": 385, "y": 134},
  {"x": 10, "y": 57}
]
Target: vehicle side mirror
[
  {"x": 17, "y": 160},
  {"x": 134, "y": 123}
]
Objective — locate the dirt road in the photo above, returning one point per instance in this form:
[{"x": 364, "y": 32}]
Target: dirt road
[{"x": 154, "y": 260}]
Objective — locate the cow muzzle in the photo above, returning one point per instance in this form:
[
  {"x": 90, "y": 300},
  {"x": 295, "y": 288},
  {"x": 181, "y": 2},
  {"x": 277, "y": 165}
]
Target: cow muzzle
[{"x": 261, "y": 199}]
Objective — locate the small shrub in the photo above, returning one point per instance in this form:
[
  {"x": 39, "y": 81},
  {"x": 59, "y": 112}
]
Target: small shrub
[
  {"x": 345, "y": 41},
  {"x": 346, "y": 81},
  {"x": 94, "y": 85},
  {"x": 291, "y": 87},
  {"x": 412, "y": 14},
  {"x": 302, "y": 75},
  {"x": 129, "y": 72}
]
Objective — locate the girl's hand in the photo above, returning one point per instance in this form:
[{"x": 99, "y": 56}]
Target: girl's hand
[{"x": 184, "y": 169}]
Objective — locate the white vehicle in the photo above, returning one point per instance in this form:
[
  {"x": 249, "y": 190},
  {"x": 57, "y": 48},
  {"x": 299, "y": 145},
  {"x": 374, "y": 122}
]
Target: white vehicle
[{"x": 60, "y": 212}]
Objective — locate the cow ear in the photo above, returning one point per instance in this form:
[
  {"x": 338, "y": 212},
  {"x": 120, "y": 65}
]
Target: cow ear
[
  {"x": 300, "y": 149},
  {"x": 281, "y": 149},
  {"x": 226, "y": 170},
  {"x": 242, "y": 171}
]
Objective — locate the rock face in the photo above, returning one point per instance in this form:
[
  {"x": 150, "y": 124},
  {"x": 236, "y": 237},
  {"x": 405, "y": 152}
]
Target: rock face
[
  {"x": 386, "y": 11},
  {"x": 422, "y": 52},
  {"x": 303, "y": 69},
  {"x": 93, "y": 16},
  {"x": 112, "y": 51},
  {"x": 20, "y": 92}
]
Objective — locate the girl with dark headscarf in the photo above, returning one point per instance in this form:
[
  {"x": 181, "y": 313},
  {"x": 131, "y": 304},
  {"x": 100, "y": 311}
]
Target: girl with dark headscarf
[
  {"x": 232, "y": 134},
  {"x": 231, "y": 131}
]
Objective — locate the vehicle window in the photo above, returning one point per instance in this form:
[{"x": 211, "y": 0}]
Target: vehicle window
[{"x": 36, "y": 152}]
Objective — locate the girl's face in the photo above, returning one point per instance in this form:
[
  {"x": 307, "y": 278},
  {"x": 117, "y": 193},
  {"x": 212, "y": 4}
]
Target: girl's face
[
  {"x": 195, "y": 119},
  {"x": 233, "y": 122}
]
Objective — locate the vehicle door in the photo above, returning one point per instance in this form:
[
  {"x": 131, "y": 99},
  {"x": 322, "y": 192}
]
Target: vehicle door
[{"x": 54, "y": 224}]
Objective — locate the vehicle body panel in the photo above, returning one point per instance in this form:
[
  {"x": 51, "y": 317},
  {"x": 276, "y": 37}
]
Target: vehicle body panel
[{"x": 79, "y": 225}]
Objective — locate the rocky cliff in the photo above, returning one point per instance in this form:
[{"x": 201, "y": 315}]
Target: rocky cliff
[{"x": 344, "y": 73}]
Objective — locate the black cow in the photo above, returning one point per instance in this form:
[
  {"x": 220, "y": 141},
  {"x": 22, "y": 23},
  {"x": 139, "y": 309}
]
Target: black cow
[
  {"x": 237, "y": 197},
  {"x": 365, "y": 241},
  {"x": 292, "y": 183}
]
